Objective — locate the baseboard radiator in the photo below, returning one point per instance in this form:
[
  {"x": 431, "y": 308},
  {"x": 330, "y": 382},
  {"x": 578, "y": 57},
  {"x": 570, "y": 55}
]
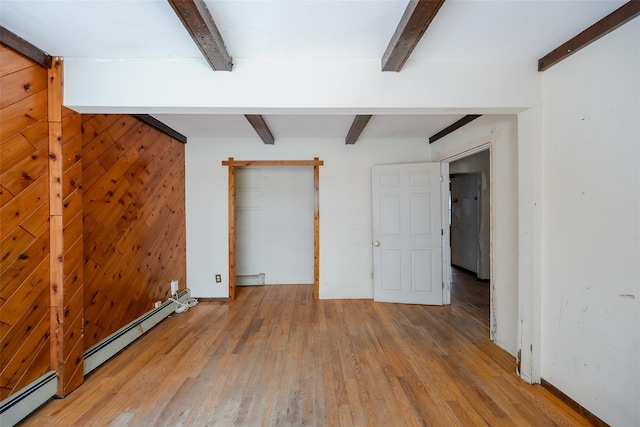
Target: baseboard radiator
[
  {"x": 250, "y": 280},
  {"x": 110, "y": 346},
  {"x": 19, "y": 405}
]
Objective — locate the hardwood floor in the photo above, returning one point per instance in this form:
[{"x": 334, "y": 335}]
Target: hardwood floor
[{"x": 277, "y": 357}]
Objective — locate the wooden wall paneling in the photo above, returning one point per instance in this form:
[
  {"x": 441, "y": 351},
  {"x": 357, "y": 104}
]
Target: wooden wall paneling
[
  {"x": 38, "y": 133},
  {"x": 18, "y": 363},
  {"x": 38, "y": 222},
  {"x": 13, "y": 244},
  {"x": 71, "y": 127},
  {"x": 22, "y": 174},
  {"x": 93, "y": 303},
  {"x": 23, "y": 230},
  {"x": 5, "y": 196},
  {"x": 72, "y": 254},
  {"x": 95, "y": 147},
  {"x": 18, "y": 271},
  {"x": 13, "y": 150},
  {"x": 91, "y": 174},
  {"x": 12, "y": 61},
  {"x": 72, "y": 204},
  {"x": 72, "y": 152},
  {"x": 72, "y": 178},
  {"x": 21, "y": 114},
  {"x": 131, "y": 249},
  {"x": 22, "y": 84},
  {"x": 24, "y": 308},
  {"x": 72, "y": 230},
  {"x": 98, "y": 122},
  {"x": 126, "y": 124},
  {"x": 19, "y": 208},
  {"x": 74, "y": 364}
]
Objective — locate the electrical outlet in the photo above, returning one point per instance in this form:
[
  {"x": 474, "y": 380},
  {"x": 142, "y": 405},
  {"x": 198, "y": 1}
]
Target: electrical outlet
[
  {"x": 218, "y": 278},
  {"x": 174, "y": 287}
]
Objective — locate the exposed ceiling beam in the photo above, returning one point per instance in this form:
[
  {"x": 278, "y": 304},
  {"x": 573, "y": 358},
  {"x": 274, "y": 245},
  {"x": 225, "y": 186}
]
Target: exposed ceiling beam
[
  {"x": 157, "y": 124},
  {"x": 196, "y": 18},
  {"x": 25, "y": 48},
  {"x": 457, "y": 125},
  {"x": 356, "y": 129},
  {"x": 415, "y": 21},
  {"x": 617, "y": 18},
  {"x": 261, "y": 128}
]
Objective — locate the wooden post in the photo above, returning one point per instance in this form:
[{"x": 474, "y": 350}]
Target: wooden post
[
  {"x": 316, "y": 229},
  {"x": 232, "y": 232},
  {"x": 66, "y": 348},
  {"x": 56, "y": 257}
]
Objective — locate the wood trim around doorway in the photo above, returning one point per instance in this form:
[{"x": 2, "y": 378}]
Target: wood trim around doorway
[{"x": 232, "y": 164}]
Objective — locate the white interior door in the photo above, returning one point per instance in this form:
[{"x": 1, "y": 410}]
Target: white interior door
[{"x": 408, "y": 233}]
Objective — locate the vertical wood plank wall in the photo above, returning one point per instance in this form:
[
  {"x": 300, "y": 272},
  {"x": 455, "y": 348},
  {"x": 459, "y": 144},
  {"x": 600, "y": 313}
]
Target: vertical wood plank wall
[
  {"x": 134, "y": 220},
  {"x": 24, "y": 223}
]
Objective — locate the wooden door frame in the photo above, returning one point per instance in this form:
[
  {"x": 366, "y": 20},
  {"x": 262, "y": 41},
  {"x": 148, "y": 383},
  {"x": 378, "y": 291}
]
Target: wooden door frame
[{"x": 233, "y": 164}]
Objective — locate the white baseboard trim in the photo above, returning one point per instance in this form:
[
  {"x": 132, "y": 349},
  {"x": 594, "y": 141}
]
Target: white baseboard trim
[
  {"x": 110, "y": 346},
  {"x": 17, "y": 406}
]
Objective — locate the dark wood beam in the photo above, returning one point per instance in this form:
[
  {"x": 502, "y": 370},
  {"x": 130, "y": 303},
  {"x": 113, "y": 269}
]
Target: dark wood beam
[
  {"x": 356, "y": 129},
  {"x": 196, "y": 18},
  {"x": 261, "y": 128},
  {"x": 415, "y": 21},
  {"x": 25, "y": 48},
  {"x": 157, "y": 124},
  {"x": 617, "y": 18},
  {"x": 457, "y": 125}
]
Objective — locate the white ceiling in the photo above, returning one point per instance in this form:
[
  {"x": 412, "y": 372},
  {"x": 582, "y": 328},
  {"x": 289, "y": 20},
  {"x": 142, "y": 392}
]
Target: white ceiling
[{"x": 302, "y": 29}]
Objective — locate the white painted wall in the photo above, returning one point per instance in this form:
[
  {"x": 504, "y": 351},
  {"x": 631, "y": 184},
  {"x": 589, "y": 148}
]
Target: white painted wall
[
  {"x": 501, "y": 132},
  {"x": 480, "y": 163},
  {"x": 591, "y": 250},
  {"x": 274, "y": 223},
  {"x": 345, "y": 206}
]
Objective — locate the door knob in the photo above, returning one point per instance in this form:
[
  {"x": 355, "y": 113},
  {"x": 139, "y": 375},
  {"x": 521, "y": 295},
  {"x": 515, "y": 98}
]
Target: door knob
[{"x": 376, "y": 243}]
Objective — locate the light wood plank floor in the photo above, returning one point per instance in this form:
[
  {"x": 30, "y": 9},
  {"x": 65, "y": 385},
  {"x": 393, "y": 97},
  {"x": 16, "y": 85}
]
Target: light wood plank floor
[{"x": 277, "y": 357}]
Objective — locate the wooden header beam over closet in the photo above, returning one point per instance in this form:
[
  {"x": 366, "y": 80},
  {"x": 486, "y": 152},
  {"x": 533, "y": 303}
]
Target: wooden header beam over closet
[{"x": 232, "y": 164}]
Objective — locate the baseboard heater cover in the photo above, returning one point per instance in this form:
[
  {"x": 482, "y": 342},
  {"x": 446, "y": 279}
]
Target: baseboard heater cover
[
  {"x": 16, "y": 407},
  {"x": 110, "y": 346},
  {"x": 250, "y": 280}
]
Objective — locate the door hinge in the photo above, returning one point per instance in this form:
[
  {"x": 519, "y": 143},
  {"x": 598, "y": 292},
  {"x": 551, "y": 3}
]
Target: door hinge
[
  {"x": 442, "y": 285},
  {"x": 441, "y": 178},
  {"x": 442, "y": 231}
]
